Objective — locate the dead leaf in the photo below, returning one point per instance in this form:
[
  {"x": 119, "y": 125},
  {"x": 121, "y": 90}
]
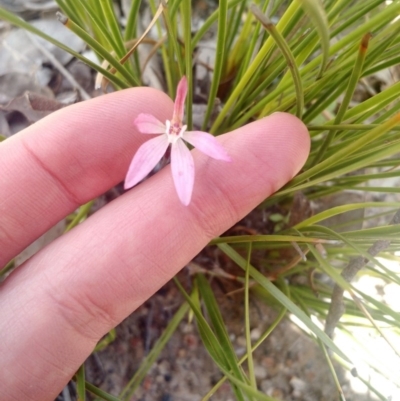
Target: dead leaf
[
  {"x": 15, "y": 84},
  {"x": 33, "y": 106}
]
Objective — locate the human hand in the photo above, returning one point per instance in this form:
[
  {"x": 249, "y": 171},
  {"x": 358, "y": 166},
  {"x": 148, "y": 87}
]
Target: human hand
[{"x": 55, "y": 307}]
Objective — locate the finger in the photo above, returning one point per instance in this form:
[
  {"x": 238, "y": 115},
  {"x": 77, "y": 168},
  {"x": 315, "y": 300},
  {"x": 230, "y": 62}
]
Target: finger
[
  {"x": 67, "y": 159},
  {"x": 93, "y": 277}
]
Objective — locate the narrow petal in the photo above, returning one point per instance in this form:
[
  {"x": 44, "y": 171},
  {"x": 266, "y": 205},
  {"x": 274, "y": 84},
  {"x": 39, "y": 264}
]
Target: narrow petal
[
  {"x": 207, "y": 144},
  {"x": 145, "y": 159},
  {"x": 148, "y": 124},
  {"x": 179, "y": 107},
  {"x": 182, "y": 166}
]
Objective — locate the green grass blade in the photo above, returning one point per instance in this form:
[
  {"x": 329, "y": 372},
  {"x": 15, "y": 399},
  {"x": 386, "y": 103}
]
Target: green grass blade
[
  {"x": 334, "y": 211},
  {"x": 219, "y": 60},
  {"x": 131, "y": 24},
  {"x": 285, "y": 49},
  {"x": 219, "y": 327},
  {"x": 262, "y": 238},
  {"x": 263, "y": 337},
  {"x": 209, "y": 22},
  {"x": 249, "y": 351},
  {"x": 80, "y": 383},
  {"x": 101, "y": 28},
  {"x": 282, "y": 298},
  {"x": 105, "y": 341},
  {"x": 253, "y": 67},
  {"x": 113, "y": 25},
  {"x": 98, "y": 48},
  {"x": 100, "y": 393},
  {"x": 187, "y": 33},
  {"x": 348, "y": 150},
  {"x": 208, "y": 337},
  {"x": 316, "y": 12},
  {"x": 140, "y": 374},
  {"x": 80, "y": 216},
  {"x": 355, "y": 76}
]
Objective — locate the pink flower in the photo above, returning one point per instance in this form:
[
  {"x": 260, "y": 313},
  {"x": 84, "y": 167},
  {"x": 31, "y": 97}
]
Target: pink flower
[{"x": 172, "y": 133}]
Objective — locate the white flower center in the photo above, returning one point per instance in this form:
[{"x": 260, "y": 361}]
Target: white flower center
[{"x": 174, "y": 131}]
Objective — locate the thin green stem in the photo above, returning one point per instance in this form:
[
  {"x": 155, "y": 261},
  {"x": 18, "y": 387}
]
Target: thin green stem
[
  {"x": 281, "y": 43},
  {"x": 250, "y": 363},
  {"x": 346, "y": 127},
  {"x": 187, "y": 34},
  {"x": 266, "y": 48},
  {"x": 131, "y": 29},
  {"x": 355, "y": 76},
  {"x": 219, "y": 60},
  {"x": 101, "y": 27},
  {"x": 209, "y": 22},
  {"x": 264, "y": 336},
  {"x": 100, "y": 393},
  {"x": 172, "y": 38},
  {"x": 131, "y": 24},
  {"x": 113, "y": 25},
  {"x": 317, "y": 14},
  {"x": 98, "y": 48},
  {"x": 83, "y": 212},
  {"x": 80, "y": 383},
  {"x": 141, "y": 372},
  {"x": 7, "y": 268},
  {"x": 167, "y": 62},
  {"x": 70, "y": 11}
]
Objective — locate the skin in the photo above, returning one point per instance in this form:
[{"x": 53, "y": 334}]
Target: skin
[{"x": 55, "y": 307}]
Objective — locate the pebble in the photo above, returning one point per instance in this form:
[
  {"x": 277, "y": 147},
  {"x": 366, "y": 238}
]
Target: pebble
[
  {"x": 299, "y": 387},
  {"x": 260, "y": 372}
]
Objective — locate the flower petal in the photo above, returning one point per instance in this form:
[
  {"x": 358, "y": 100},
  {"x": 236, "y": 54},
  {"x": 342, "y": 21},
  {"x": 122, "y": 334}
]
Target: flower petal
[
  {"x": 145, "y": 159},
  {"x": 207, "y": 144},
  {"x": 182, "y": 167},
  {"x": 179, "y": 106},
  {"x": 148, "y": 124}
]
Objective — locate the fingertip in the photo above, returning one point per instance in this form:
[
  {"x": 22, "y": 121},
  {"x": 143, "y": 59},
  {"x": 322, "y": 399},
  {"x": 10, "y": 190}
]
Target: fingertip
[
  {"x": 266, "y": 154},
  {"x": 295, "y": 136},
  {"x": 280, "y": 144}
]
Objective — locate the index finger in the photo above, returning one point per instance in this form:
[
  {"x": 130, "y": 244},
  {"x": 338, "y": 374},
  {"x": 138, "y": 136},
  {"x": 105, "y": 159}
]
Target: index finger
[{"x": 67, "y": 159}]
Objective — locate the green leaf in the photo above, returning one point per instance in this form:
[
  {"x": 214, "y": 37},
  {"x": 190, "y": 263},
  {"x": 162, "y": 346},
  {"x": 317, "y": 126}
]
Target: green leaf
[{"x": 80, "y": 383}]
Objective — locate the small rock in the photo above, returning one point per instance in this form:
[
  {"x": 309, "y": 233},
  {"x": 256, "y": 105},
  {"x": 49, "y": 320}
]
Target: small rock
[
  {"x": 191, "y": 341},
  {"x": 260, "y": 372},
  {"x": 299, "y": 387},
  {"x": 241, "y": 341},
  {"x": 187, "y": 328},
  {"x": 255, "y": 334}
]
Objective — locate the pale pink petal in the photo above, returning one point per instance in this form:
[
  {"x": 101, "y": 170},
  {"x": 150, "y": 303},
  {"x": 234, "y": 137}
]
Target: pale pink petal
[
  {"x": 182, "y": 167},
  {"x": 145, "y": 159},
  {"x": 148, "y": 124},
  {"x": 207, "y": 144},
  {"x": 179, "y": 106}
]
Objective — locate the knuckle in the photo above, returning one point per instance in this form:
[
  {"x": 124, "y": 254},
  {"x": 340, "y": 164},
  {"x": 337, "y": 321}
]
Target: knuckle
[{"x": 83, "y": 314}]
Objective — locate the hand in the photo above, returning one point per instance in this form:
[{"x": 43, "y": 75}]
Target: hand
[{"x": 55, "y": 307}]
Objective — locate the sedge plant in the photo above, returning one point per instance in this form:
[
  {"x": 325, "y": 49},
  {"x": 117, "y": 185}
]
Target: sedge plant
[{"x": 309, "y": 58}]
